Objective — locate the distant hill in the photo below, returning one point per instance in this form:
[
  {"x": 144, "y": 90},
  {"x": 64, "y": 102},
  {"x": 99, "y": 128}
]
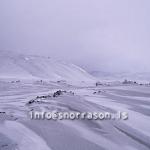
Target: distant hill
[{"x": 137, "y": 76}]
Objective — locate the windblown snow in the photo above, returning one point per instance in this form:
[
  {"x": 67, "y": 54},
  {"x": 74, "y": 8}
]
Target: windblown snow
[{"x": 19, "y": 98}]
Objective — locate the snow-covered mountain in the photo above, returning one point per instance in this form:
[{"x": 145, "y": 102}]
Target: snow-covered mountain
[
  {"x": 135, "y": 76},
  {"x": 14, "y": 65}
]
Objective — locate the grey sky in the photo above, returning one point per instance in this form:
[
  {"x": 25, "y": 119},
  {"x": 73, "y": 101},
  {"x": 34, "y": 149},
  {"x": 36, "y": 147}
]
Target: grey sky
[{"x": 110, "y": 35}]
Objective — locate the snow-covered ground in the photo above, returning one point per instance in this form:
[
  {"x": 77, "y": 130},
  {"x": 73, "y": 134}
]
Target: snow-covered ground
[
  {"x": 19, "y": 132},
  {"x": 29, "y": 84}
]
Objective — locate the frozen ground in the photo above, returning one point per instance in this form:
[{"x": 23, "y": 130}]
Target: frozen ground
[{"x": 19, "y": 132}]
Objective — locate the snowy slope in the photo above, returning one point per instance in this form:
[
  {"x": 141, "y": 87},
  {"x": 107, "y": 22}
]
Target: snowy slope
[{"x": 23, "y": 66}]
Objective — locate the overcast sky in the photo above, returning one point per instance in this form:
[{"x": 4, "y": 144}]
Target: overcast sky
[{"x": 107, "y": 35}]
